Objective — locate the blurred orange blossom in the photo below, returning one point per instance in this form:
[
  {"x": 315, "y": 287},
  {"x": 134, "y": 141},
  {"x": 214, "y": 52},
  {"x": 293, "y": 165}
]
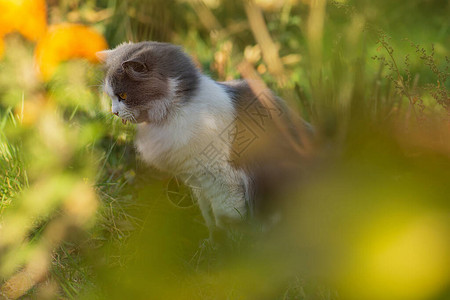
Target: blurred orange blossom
[
  {"x": 65, "y": 41},
  {"x": 28, "y": 17},
  {"x": 55, "y": 44}
]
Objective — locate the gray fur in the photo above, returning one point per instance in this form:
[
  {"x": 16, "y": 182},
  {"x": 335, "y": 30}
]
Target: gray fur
[
  {"x": 270, "y": 159},
  {"x": 142, "y": 71}
]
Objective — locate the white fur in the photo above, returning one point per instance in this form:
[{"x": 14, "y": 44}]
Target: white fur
[
  {"x": 160, "y": 108},
  {"x": 178, "y": 146}
]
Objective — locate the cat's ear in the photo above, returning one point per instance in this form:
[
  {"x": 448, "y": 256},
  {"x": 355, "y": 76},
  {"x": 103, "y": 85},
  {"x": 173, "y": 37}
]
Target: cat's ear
[
  {"x": 134, "y": 68},
  {"x": 102, "y": 56}
]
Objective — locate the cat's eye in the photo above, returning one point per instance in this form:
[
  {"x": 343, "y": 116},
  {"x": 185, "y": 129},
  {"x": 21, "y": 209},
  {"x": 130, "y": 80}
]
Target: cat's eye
[{"x": 122, "y": 96}]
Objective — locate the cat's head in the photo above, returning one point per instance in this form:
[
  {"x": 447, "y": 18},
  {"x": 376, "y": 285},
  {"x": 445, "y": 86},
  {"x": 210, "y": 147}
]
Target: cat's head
[{"x": 147, "y": 81}]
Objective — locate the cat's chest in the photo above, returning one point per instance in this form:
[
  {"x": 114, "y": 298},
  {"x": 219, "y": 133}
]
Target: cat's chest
[
  {"x": 163, "y": 147},
  {"x": 178, "y": 147}
]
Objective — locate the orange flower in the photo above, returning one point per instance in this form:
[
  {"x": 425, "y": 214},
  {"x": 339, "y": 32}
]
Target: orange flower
[
  {"x": 29, "y": 17},
  {"x": 66, "y": 41}
]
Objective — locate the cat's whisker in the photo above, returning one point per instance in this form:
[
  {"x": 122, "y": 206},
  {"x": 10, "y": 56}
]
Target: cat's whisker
[{"x": 130, "y": 115}]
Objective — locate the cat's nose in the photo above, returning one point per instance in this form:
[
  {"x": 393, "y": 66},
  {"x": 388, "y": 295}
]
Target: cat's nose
[{"x": 115, "y": 113}]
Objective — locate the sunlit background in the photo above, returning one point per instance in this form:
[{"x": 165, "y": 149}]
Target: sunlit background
[{"x": 82, "y": 218}]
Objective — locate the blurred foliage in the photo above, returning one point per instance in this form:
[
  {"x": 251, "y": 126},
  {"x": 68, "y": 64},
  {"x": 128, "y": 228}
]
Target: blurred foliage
[{"x": 81, "y": 217}]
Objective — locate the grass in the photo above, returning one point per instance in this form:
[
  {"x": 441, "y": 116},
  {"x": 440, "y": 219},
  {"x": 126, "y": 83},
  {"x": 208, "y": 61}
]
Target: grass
[
  {"x": 14, "y": 179},
  {"x": 376, "y": 189}
]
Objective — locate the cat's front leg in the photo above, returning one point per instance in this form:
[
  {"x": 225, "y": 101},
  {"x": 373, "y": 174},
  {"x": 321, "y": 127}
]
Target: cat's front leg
[
  {"x": 205, "y": 208},
  {"x": 229, "y": 210},
  {"x": 221, "y": 196},
  {"x": 217, "y": 235},
  {"x": 227, "y": 197}
]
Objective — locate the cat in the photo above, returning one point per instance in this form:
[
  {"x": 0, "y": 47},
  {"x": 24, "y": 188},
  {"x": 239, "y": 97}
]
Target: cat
[{"x": 233, "y": 147}]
